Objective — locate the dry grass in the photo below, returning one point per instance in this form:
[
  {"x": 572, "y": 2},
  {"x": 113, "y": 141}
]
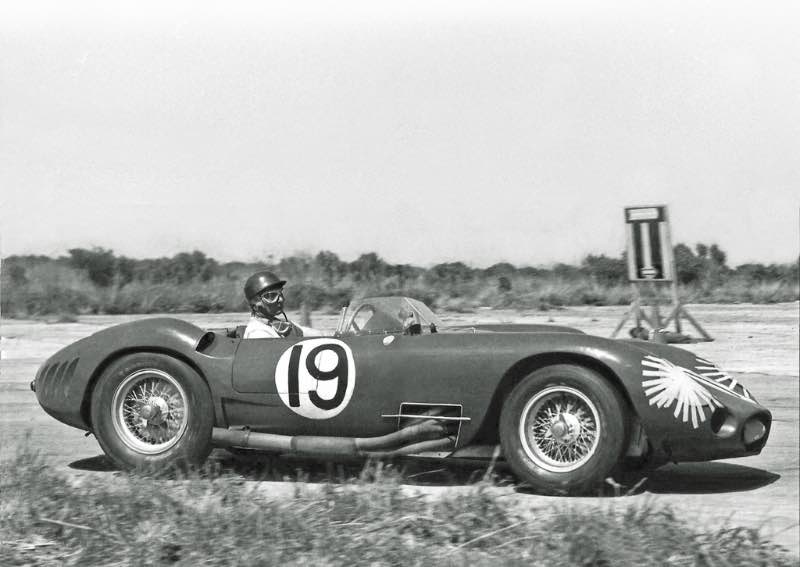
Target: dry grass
[{"x": 211, "y": 518}]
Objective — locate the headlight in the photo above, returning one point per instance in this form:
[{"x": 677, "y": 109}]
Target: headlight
[{"x": 754, "y": 430}]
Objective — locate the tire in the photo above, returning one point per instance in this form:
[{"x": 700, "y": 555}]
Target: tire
[
  {"x": 581, "y": 431},
  {"x": 152, "y": 412}
]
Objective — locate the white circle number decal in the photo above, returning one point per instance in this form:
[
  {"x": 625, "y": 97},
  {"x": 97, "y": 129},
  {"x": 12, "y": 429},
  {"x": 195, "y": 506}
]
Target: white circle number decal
[{"x": 316, "y": 377}]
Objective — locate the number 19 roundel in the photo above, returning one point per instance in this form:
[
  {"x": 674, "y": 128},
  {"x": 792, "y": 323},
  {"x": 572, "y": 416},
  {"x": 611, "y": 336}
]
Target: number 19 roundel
[{"x": 315, "y": 378}]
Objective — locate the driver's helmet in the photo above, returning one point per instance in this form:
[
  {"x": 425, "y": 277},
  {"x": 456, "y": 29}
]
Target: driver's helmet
[{"x": 260, "y": 282}]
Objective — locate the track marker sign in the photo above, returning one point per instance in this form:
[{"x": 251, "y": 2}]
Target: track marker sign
[
  {"x": 649, "y": 246},
  {"x": 650, "y": 259}
]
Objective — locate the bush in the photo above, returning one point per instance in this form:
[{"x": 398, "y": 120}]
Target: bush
[
  {"x": 99, "y": 264},
  {"x": 314, "y": 296},
  {"x": 604, "y": 270},
  {"x": 50, "y": 289}
]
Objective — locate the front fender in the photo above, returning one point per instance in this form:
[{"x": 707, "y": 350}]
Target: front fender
[
  {"x": 694, "y": 409},
  {"x": 676, "y": 429}
]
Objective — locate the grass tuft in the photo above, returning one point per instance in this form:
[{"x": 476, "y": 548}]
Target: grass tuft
[{"x": 217, "y": 518}]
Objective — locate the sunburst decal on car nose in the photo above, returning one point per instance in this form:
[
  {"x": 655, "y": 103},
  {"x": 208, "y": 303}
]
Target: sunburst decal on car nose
[
  {"x": 671, "y": 383},
  {"x": 709, "y": 370}
]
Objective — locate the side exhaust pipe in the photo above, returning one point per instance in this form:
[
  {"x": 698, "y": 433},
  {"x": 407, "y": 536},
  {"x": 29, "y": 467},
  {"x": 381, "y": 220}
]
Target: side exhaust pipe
[
  {"x": 425, "y": 436},
  {"x": 443, "y": 444}
]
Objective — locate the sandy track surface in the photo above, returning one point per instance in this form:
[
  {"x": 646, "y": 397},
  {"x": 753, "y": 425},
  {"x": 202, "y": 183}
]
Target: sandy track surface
[{"x": 757, "y": 343}]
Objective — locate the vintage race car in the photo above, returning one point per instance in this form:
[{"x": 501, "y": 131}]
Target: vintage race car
[{"x": 563, "y": 408}]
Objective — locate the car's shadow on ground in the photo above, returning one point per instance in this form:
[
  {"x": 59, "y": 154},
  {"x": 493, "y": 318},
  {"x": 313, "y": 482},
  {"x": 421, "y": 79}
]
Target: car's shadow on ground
[
  {"x": 255, "y": 467},
  {"x": 96, "y": 464},
  {"x": 686, "y": 478},
  {"x": 707, "y": 478},
  {"x": 411, "y": 471}
]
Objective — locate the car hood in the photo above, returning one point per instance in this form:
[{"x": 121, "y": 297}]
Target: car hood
[
  {"x": 701, "y": 368},
  {"x": 510, "y": 328}
]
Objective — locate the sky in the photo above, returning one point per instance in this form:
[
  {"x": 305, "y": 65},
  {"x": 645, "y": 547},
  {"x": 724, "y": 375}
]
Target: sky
[{"x": 425, "y": 131}]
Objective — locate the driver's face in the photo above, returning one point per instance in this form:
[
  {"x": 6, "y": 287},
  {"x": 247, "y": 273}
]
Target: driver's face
[{"x": 269, "y": 303}]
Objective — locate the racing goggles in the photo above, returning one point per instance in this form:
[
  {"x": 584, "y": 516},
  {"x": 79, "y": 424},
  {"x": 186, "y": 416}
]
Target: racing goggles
[{"x": 271, "y": 296}]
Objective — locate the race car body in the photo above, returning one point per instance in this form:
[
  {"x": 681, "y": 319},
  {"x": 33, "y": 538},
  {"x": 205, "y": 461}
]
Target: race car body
[{"x": 562, "y": 407}]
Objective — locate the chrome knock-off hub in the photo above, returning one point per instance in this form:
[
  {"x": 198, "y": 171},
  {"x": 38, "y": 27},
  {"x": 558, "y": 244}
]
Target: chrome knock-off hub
[
  {"x": 155, "y": 411},
  {"x": 565, "y": 428}
]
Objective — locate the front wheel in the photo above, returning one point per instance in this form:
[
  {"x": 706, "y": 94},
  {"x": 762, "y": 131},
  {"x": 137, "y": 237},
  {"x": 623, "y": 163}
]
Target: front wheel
[
  {"x": 563, "y": 429},
  {"x": 151, "y": 411}
]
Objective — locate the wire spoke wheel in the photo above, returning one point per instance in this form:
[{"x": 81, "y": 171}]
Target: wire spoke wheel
[
  {"x": 150, "y": 411},
  {"x": 559, "y": 429},
  {"x": 563, "y": 428}
]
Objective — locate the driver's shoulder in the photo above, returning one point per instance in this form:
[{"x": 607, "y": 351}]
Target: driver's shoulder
[{"x": 258, "y": 329}]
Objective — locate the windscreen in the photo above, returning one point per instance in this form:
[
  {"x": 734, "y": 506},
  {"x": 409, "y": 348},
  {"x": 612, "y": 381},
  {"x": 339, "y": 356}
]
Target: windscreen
[{"x": 375, "y": 315}]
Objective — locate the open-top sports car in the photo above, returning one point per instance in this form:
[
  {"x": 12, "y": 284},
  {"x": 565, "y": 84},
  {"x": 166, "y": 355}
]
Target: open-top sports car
[{"x": 563, "y": 408}]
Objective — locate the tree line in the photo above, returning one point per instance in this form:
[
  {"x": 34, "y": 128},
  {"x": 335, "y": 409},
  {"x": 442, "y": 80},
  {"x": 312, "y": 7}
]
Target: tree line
[{"x": 98, "y": 280}]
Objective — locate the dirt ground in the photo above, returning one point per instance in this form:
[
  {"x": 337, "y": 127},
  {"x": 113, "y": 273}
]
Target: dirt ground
[{"x": 757, "y": 343}]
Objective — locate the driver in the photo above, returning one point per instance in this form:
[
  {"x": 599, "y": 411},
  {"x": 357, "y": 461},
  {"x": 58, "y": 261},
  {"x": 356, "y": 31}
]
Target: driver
[{"x": 264, "y": 293}]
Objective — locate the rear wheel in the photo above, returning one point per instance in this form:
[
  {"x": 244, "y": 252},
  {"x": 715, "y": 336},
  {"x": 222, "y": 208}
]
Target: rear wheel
[
  {"x": 563, "y": 429},
  {"x": 152, "y": 411}
]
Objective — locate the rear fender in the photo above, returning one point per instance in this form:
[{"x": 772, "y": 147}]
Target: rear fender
[{"x": 65, "y": 381}]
